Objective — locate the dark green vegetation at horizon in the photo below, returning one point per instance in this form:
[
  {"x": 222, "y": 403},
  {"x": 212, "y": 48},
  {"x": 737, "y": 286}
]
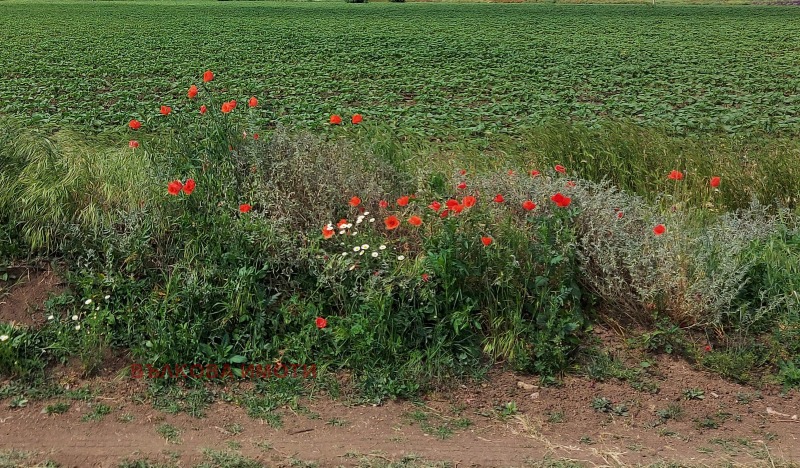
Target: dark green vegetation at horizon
[{"x": 434, "y": 69}]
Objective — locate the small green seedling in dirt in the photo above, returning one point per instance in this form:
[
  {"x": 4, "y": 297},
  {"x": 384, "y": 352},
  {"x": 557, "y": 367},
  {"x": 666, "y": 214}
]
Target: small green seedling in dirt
[
  {"x": 601, "y": 405},
  {"x": 463, "y": 423},
  {"x": 694, "y": 394},
  {"x": 745, "y": 398},
  {"x": 708, "y": 422},
  {"x": 672, "y": 411},
  {"x": 18, "y": 402},
  {"x": 336, "y": 422},
  {"x": 509, "y": 409},
  {"x": 99, "y": 411},
  {"x": 620, "y": 410},
  {"x": 264, "y": 445},
  {"x": 169, "y": 432},
  {"x": 234, "y": 445},
  {"x": 234, "y": 429},
  {"x": 555, "y": 417},
  {"x": 57, "y": 408}
]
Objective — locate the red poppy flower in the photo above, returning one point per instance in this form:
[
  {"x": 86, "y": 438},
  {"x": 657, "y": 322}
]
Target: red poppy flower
[
  {"x": 510, "y": 172},
  {"x": 233, "y": 103},
  {"x": 499, "y": 198},
  {"x": 341, "y": 223},
  {"x": 462, "y": 185},
  {"x": 165, "y": 110},
  {"x": 192, "y": 92},
  {"x": 570, "y": 184},
  {"x": 457, "y": 208},
  {"x": 415, "y": 220},
  {"x": 451, "y": 203},
  {"x": 707, "y": 348},
  {"x": 383, "y": 204},
  {"x": 327, "y": 233},
  {"x": 208, "y": 76},
  {"x": 425, "y": 277},
  {"x": 715, "y": 182},
  {"x": 174, "y": 187},
  {"x": 255, "y": 136},
  {"x": 321, "y": 322},
  {"x": 561, "y": 200},
  {"x": 469, "y": 201},
  {"x": 335, "y": 119},
  {"x": 135, "y": 124},
  {"x": 245, "y": 208},
  {"x": 535, "y": 173},
  {"x": 660, "y": 229},
  {"x": 444, "y": 214},
  {"x": 676, "y": 175},
  {"x": 188, "y": 187},
  {"x": 356, "y": 119},
  {"x": 253, "y": 102},
  {"x": 486, "y": 240},
  {"x": 561, "y": 169},
  {"x": 402, "y": 201},
  {"x": 391, "y": 222},
  {"x": 528, "y": 205},
  {"x": 435, "y": 206},
  {"x": 355, "y": 201},
  {"x": 226, "y": 107},
  {"x": 133, "y": 144},
  {"x": 463, "y": 172},
  {"x": 203, "y": 109},
  {"x": 620, "y": 214}
]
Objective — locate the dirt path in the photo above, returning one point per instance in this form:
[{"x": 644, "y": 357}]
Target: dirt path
[{"x": 731, "y": 423}]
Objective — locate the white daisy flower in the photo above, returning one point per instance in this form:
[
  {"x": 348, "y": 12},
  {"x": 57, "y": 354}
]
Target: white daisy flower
[
  {"x": 365, "y": 246},
  {"x": 344, "y": 254},
  {"x": 366, "y": 213},
  {"x": 356, "y": 248},
  {"x": 359, "y": 220},
  {"x": 374, "y": 254},
  {"x": 354, "y": 233},
  {"x": 382, "y": 247},
  {"x": 352, "y": 267},
  {"x": 74, "y": 317},
  {"x": 87, "y": 301},
  {"x": 108, "y": 296},
  {"x": 371, "y": 220},
  {"x": 77, "y": 327},
  {"x": 341, "y": 232},
  {"x": 361, "y": 253},
  {"x": 97, "y": 308},
  {"x": 3, "y": 337},
  {"x": 348, "y": 225},
  {"x": 401, "y": 257},
  {"x": 50, "y": 317}
]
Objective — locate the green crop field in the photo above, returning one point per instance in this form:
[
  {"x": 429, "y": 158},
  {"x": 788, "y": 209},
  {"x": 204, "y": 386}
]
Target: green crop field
[
  {"x": 432, "y": 69},
  {"x": 421, "y": 195}
]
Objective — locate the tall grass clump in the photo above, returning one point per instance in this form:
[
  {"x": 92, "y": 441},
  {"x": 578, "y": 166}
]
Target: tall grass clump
[
  {"x": 635, "y": 158},
  {"x": 52, "y": 184}
]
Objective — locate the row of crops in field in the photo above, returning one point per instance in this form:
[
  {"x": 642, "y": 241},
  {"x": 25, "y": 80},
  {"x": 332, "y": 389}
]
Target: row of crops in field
[{"x": 429, "y": 69}]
